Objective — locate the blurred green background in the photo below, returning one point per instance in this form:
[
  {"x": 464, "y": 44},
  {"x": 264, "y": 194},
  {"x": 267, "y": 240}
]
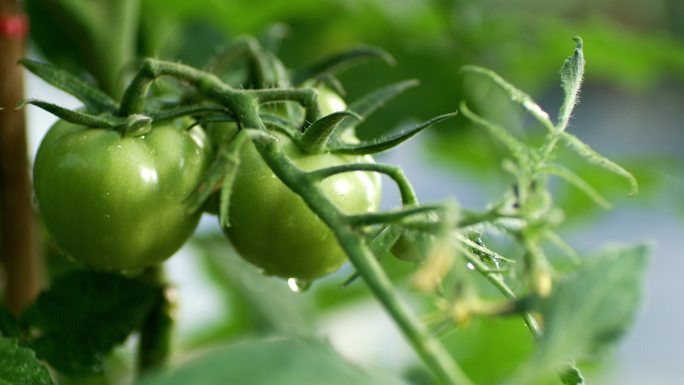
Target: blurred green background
[{"x": 630, "y": 110}]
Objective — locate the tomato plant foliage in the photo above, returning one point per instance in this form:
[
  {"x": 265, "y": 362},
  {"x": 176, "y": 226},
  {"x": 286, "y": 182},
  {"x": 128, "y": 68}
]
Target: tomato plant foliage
[{"x": 121, "y": 185}]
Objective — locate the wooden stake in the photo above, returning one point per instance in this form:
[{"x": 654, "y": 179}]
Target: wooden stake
[{"x": 18, "y": 230}]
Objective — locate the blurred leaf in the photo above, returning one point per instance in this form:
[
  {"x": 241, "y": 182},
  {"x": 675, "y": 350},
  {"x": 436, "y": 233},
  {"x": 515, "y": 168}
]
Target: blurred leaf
[
  {"x": 577, "y": 181},
  {"x": 85, "y": 315},
  {"x": 518, "y": 149},
  {"x": 651, "y": 172},
  {"x": 98, "y": 37},
  {"x": 19, "y": 365},
  {"x": 282, "y": 361},
  {"x": 374, "y": 100},
  {"x": 259, "y": 304},
  {"x": 515, "y": 95},
  {"x": 593, "y": 157},
  {"x": 490, "y": 349},
  {"x": 589, "y": 310}
]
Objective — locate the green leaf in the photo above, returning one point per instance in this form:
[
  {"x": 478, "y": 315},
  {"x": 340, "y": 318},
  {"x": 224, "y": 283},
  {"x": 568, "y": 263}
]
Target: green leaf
[
  {"x": 85, "y": 315},
  {"x": 571, "y": 74},
  {"x": 577, "y": 181},
  {"x": 316, "y": 137},
  {"x": 593, "y": 157},
  {"x": 134, "y": 125},
  {"x": 76, "y": 117},
  {"x": 243, "y": 285},
  {"x": 95, "y": 100},
  {"x": 282, "y": 361},
  {"x": 370, "y": 102},
  {"x": 385, "y": 143},
  {"x": 19, "y": 365},
  {"x": 589, "y": 310},
  {"x": 516, "y": 95}
]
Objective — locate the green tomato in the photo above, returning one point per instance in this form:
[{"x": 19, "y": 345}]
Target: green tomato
[
  {"x": 274, "y": 229},
  {"x": 116, "y": 202},
  {"x": 329, "y": 101}
]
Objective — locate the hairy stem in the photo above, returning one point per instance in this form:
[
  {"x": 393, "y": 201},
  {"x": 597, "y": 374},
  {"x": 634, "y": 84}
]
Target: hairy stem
[{"x": 426, "y": 345}]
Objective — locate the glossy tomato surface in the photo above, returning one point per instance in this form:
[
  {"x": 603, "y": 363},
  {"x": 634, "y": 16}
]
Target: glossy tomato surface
[
  {"x": 115, "y": 202},
  {"x": 273, "y": 228}
]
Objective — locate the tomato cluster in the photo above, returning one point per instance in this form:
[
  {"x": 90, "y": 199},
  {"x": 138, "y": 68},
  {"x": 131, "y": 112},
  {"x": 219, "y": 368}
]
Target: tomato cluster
[{"x": 115, "y": 201}]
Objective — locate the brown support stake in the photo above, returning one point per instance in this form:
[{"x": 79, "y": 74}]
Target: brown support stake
[{"x": 18, "y": 231}]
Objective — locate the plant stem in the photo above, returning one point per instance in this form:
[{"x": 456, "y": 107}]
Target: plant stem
[
  {"x": 426, "y": 345},
  {"x": 18, "y": 231}
]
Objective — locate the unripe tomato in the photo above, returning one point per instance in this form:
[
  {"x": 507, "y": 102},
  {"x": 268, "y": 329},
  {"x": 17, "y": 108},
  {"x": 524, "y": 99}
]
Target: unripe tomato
[
  {"x": 329, "y": 101},
  {"x": 117, "y": 202},
  {"x": 274, "y": 229}
]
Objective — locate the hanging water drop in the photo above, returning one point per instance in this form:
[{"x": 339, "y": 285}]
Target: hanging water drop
[{"x": 298, "y": 285}]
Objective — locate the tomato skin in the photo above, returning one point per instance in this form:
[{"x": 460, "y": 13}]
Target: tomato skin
[
  {"x": 115, "y": 202},
  {"x": 329, "y": 101},
  {"x": 274, "y": 229}
]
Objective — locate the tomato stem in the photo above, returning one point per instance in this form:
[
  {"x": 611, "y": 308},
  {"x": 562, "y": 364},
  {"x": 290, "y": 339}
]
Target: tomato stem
[
  {"x": 408, "y": 195},
  {"x": 426, "y": 346}
]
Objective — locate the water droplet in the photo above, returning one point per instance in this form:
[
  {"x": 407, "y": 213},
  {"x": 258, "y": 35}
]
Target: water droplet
[
  {"x": 298, "y": 285},
  {"x": 470, "y": 266}
]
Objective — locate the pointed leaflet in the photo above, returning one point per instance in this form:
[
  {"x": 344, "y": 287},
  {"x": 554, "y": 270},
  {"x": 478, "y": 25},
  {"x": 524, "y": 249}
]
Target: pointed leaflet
[
  {"x": 520, "y": 151},
  {"x": 316, "y": 137},
  {"x": 20, "y": 366},
  {"x": 385, "y": 143},
  {"x": 594, "y": 157},
  {"x": 516, "y": 95},
  {"x": 571, "y": 74},
  {"x": 370, "y": 102},
  {"x": 85, "y": 315},
  {"x": 89, "y": 120},
  {"x": 95, "y": 100},
  {"x": 341, "y": 62},
  {"x": 577, "y": 181}
]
